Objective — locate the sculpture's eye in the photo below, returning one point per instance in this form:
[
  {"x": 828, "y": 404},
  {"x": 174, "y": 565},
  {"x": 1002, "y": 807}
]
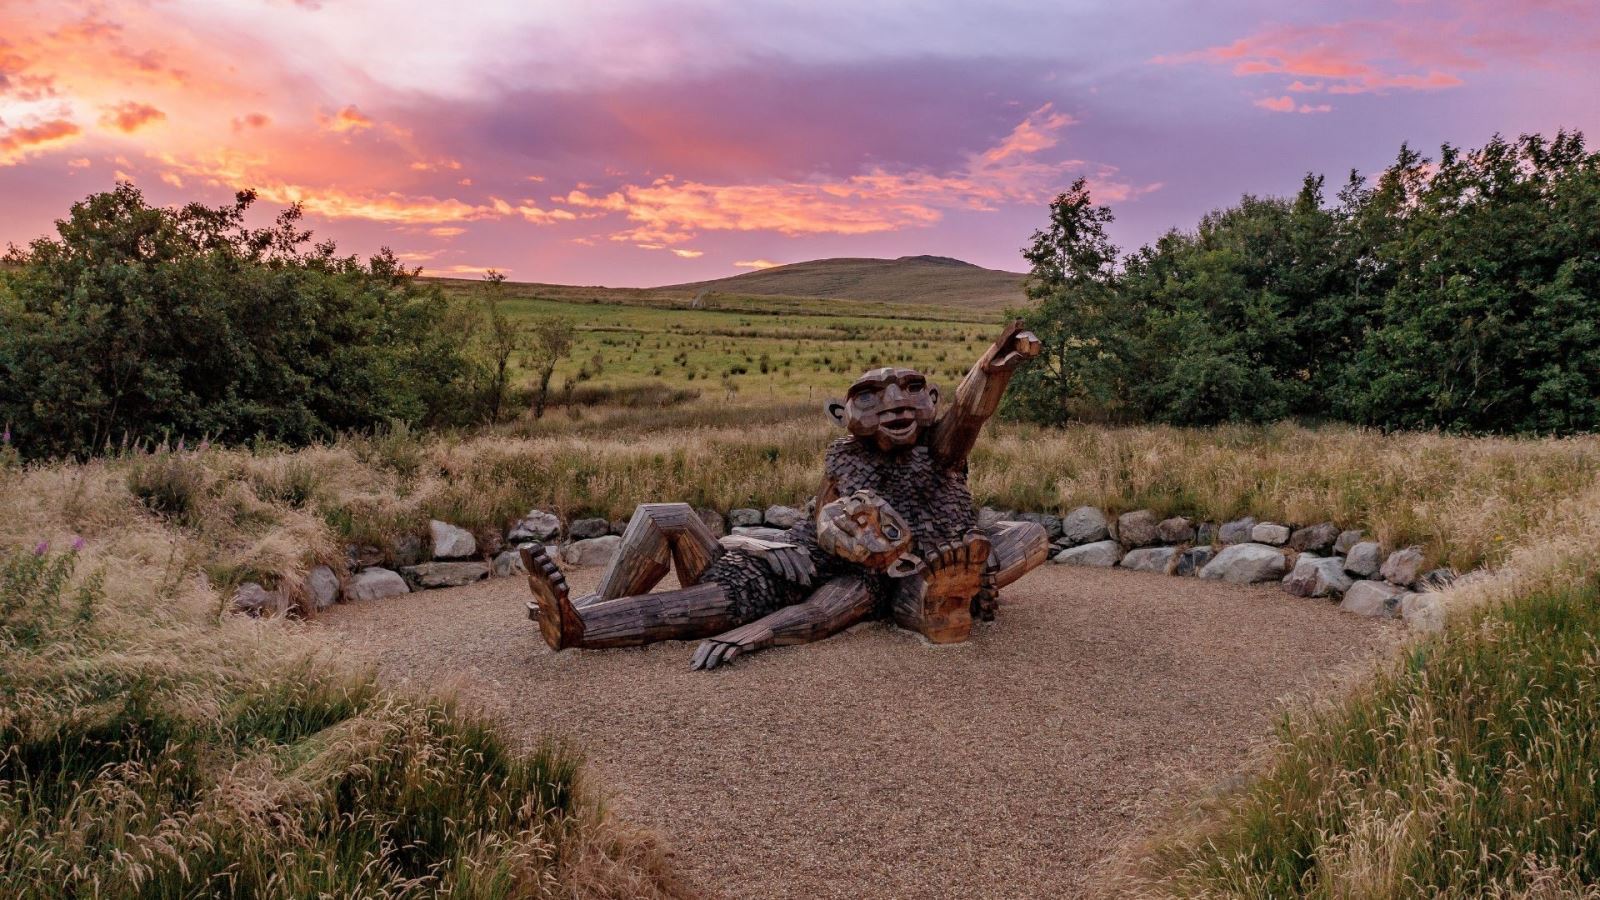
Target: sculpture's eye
[
  {"x": 915, "y": 387},
  {"x": 866, "y": 398},
  {"x": 891, "y": 532}
]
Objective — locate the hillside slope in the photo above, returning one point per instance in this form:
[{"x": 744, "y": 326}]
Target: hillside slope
[{"x": 932, "y": 280}]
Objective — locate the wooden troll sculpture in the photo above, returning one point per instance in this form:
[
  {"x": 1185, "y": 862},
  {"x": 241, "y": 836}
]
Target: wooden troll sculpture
[{"x": 892, "y": 532}]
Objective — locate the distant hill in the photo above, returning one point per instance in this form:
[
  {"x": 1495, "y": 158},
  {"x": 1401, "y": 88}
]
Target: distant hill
[{"x": 931, "y": 280}]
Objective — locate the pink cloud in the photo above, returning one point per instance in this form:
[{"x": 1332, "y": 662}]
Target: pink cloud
[
  {"x": 19, "y": 143},
  {"x": 667, "y": 210},
  {"x": 129, "y": 117}
]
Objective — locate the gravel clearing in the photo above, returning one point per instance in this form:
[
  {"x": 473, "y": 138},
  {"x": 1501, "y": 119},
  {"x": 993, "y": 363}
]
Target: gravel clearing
[{"x": 873, "y": 764}]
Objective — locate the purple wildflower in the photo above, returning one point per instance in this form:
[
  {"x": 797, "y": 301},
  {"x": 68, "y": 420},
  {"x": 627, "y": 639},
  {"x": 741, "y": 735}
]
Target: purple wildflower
[
  {"x": 5, "y": 436},
  {"x": 42, "y": 548},
  {"x": 205, "y": 444},
  {"x": 77, "y": 544},
  {"x": 180, "y": 445}
]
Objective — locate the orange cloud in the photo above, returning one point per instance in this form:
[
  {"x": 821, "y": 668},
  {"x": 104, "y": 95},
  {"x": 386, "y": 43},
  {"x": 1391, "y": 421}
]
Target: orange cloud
[
  {"x": 129, "y": 116},
  {"x": 19, "y": 143},
  {"x": 668, "y": 211},
  {"x": 1286, "y": 104},
  {"x": 688, "y": 254},
  {"x": 755, "y": 264},
  {"x": 348, "y": 119},
  {"x": 251, "y": 120},
  {"x": 447, "y": 231}
]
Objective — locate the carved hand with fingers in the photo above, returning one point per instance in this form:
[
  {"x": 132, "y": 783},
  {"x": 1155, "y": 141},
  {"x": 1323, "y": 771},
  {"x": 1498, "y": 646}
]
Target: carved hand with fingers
[
  {"x": 1014, "y": 347},
  {"x": 864, "y": 529}
]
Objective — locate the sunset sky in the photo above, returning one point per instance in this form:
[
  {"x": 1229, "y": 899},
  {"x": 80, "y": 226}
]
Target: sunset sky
[{"x": 638, "y": 143}]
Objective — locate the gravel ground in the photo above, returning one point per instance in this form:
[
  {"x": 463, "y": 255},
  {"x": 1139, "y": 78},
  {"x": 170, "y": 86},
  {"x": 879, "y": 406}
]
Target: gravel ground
[{"x": 875, "y": 765}]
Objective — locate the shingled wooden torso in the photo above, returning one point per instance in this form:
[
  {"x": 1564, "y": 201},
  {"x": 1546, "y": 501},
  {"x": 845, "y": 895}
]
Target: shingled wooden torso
[{"x": 933, "y": 499}]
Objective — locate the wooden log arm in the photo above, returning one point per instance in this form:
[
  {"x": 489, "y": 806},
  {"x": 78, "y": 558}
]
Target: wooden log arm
[
  {"x": 835, "y": 606},
  {"x": 978, "y": 395}
]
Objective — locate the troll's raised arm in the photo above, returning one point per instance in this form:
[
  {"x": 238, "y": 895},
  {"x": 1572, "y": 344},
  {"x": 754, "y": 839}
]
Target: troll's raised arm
[{"x": 978, "y": 395}]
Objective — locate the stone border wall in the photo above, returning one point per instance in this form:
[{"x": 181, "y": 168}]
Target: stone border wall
[{"x": 1312, "y": 561}]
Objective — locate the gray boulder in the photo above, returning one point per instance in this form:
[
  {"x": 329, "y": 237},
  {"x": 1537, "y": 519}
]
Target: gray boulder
[
  {"x": 508, "y": 563},
  {"x": 322, "y": 584},
  {"x": 1317, "y": 576},
  {"x": 1270, "y": 533},
  {"x": 713, "y": 521},
  {"x": 988, "y": 517},
  {"x": 1403, "y": 567},
  {"x": 1050, "y": 524},
  {"x": 1318, "y": 539},
  {"x": 1138, "y": 528},
  {"x": 450, "y": 542},
  {"x": 1422, "y": 612},
  {"x": 252, "y": 599},
  {"x": 537, "y": 525},
  {"x": 1237, "y": 531},
  {"x": 1176, "y": 530},
  {"x": 1347, "y": 539},
  {"x": 592, "y": 551},
  {"x": 1207, "y": 533},
  {"x": 1100, "y": 553},
  {"x": 444, "y": 574},
  {"x": 375, "y": 584},
  {"x": 1150, "y": 559},
  {"x": 783, "y": 516},
  {"x": 585, "y": 529},
  {"x": 1084, "y": 525},
  {"x": 1364, "y": 559},
  {"x": 1378, "y": 599},
  {"x": 1246, "y": 564},
  {"x": 744, "y": 517},
  {"x": 362, "y": 556},
  {"x": 1194, "y": 559}
]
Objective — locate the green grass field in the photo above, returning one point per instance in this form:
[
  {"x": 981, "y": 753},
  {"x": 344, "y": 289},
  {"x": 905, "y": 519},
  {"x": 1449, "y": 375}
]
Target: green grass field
[{"x": 745, "y": 348}]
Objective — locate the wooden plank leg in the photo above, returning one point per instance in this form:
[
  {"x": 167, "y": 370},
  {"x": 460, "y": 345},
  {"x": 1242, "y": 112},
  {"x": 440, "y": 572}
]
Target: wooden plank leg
[
  {"x": 684, "y": 614},
  {"x": 1019, "y": 548},
  {"x": 658, "y": 536}
]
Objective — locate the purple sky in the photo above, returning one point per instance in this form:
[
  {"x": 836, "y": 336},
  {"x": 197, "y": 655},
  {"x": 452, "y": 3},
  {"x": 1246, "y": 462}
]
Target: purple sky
[{"x": 658, "y": 142}]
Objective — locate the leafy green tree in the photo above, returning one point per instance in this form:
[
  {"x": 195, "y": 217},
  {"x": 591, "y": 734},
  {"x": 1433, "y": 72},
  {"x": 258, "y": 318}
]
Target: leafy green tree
[
  {"x": 1086, "y": 329},
  {"x": 551, "y": 341},
  {"x": 1462, "y": 294},
  {"x": 140, "y": 322}
]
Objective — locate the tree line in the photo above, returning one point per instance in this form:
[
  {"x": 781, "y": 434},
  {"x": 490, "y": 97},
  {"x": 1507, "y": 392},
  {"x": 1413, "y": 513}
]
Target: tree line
[
  {"x": 138, "y": 323},
  {"x": 1461, "y": 293}
]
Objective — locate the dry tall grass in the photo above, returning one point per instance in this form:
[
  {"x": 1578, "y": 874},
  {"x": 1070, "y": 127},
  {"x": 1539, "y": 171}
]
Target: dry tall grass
[{"x": 155, "y": 747}]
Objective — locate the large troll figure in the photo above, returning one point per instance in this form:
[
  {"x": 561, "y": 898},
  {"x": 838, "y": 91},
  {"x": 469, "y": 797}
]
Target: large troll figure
[{"x": 892, "y": 532}]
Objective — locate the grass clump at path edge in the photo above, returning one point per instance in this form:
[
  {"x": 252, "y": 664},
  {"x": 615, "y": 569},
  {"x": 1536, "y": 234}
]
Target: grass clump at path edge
[
  {"x": 1465, "y": 768},
  {"x": 157, "y": 755}
]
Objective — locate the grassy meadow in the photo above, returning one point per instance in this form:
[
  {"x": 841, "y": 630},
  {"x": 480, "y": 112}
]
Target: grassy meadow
[
  {"x": 158, "y": 746},
  {"x": 755, "y": 349}
]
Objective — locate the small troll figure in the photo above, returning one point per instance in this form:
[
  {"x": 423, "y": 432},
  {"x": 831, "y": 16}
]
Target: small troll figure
[{"x": 892, "y": 532}]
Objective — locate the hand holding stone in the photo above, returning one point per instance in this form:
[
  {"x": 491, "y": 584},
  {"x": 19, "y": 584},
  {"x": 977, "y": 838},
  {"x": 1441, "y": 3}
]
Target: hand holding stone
[
  {"x": 1014, "y": 347},
  {"x": 862, "y": 528}
]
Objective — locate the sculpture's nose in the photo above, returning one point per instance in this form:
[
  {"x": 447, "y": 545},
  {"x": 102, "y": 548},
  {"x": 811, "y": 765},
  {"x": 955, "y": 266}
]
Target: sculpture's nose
[{"x": 893, "y": 396}]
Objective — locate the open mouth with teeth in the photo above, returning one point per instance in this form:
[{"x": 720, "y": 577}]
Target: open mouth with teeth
[{"x": 899, "y": 424}]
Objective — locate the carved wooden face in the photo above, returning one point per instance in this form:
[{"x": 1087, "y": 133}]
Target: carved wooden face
[{"x": 888, "y": 407}]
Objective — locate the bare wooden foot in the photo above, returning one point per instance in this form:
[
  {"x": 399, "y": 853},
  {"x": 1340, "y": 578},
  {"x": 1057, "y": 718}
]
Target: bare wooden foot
[
  {"x": 937, "y": 602},
  {"x": 551, "y": 605}
]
